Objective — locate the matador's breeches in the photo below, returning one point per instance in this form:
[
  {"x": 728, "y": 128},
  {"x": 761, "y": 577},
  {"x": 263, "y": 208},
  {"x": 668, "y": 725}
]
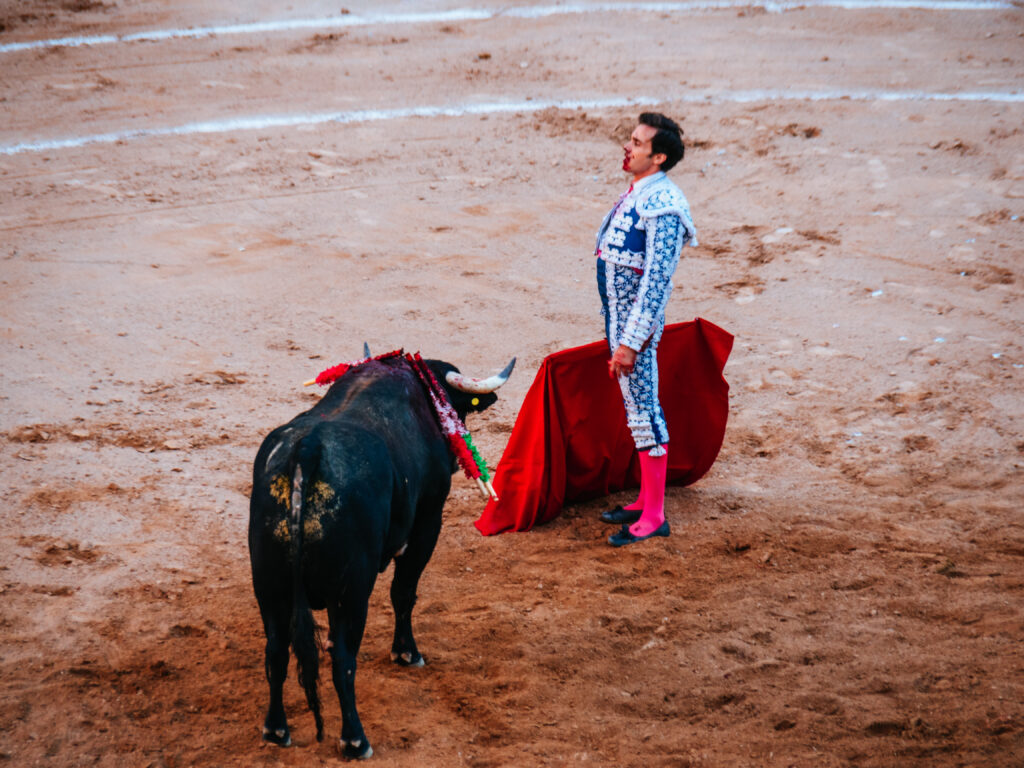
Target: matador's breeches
[{"x": 618, "y": 287}]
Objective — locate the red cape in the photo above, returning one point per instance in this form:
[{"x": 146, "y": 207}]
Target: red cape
[{"x": 570, "y": 441}]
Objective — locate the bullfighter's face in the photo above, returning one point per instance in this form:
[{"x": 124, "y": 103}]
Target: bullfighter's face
[{"x": 639, "y": 160}]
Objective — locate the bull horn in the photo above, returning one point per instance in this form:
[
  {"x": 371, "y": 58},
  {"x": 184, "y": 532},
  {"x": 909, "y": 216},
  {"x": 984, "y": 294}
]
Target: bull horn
[
  {"x": 366, "y": 351},
  {"x": 479, "y": 386}
]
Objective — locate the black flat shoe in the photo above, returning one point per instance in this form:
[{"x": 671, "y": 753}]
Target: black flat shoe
[
  {"x": 618, "y": 516},
  {"x": 624, "y": 537}
]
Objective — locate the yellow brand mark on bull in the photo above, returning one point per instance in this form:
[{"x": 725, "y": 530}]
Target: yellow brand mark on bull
[
  {"x": 281, "y": 532},
  {"x": 321, "y": 496},
  {"x": 318, "y": 503},
  {"x": 319, "y": 500},
  {"x": 311, "y": 529},
  {"x": 281, "y": 491}
]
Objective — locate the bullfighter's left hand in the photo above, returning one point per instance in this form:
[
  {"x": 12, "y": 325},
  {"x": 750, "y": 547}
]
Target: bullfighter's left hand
[{"x": 622, "y": 361}]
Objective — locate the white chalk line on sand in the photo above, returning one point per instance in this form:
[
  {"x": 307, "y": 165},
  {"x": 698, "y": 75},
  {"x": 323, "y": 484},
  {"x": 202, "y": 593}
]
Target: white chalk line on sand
[
  {"x": 263, "y": 122},
  {"x": 528, "y": 12}
]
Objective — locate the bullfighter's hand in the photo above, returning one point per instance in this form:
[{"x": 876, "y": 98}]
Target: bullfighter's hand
[{"x": 622, "y": 361}]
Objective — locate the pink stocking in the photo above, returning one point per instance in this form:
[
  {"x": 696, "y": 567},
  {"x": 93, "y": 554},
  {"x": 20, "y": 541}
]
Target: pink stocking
[
  {"x": 639, "y": 503},
  {"x": 653, "y": 471}
]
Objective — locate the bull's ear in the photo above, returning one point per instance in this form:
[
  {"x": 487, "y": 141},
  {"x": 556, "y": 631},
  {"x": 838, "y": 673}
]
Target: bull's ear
[
  {"x": 480, "y": 402},
  {"x": 465, "y": 402}
]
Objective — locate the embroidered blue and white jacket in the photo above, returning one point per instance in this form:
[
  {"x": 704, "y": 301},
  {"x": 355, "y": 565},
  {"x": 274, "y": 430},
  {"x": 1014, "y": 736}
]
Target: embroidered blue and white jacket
[{"x": 645, "y": 232}]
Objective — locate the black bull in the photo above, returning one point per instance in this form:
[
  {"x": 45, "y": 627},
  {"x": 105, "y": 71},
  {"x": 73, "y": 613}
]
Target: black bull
[{"x": 338, "y": 492}]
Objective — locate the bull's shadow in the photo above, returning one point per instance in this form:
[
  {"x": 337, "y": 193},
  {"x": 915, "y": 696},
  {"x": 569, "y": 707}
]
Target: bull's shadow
[{"x": 339, "y": 492}]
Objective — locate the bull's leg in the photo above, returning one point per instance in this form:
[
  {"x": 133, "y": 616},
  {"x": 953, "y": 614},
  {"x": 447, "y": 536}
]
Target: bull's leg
[
  {"x": 275, "y": 622},
  {"x": 347, "y": 625},
  {"x": 408, "y": 569}
]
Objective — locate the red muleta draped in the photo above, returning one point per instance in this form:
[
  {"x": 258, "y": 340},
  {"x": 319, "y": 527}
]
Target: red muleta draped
[{"x": 570, "y": 441}]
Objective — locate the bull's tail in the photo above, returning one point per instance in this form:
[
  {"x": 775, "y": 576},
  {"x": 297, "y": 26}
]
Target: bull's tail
[{"x": 303, "y": 629}]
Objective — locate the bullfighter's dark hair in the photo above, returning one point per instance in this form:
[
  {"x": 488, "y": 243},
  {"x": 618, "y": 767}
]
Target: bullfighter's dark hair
[{"x": 667, "y": 141}]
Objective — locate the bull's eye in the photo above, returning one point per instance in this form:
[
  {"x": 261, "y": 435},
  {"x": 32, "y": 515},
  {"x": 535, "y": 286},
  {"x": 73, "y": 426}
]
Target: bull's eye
[{"x": 475, "y": 401}]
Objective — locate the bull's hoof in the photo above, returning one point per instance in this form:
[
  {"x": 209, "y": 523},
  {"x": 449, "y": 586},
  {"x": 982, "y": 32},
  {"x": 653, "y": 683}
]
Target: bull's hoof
[
  {"x": 356, "y": 750},
  {"x": 408, "y": 659},
  {"x": 279, "y": 736}
]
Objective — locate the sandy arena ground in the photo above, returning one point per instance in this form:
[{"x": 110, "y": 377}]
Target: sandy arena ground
[{"x": 843, "y": 589}]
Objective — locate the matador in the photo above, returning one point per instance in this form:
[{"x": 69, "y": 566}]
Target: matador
[{"x": 638, "y": 247}]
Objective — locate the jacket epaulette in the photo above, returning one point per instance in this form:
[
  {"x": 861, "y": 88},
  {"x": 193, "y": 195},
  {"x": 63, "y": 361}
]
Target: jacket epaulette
[{"x": 663, "y": 197}]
